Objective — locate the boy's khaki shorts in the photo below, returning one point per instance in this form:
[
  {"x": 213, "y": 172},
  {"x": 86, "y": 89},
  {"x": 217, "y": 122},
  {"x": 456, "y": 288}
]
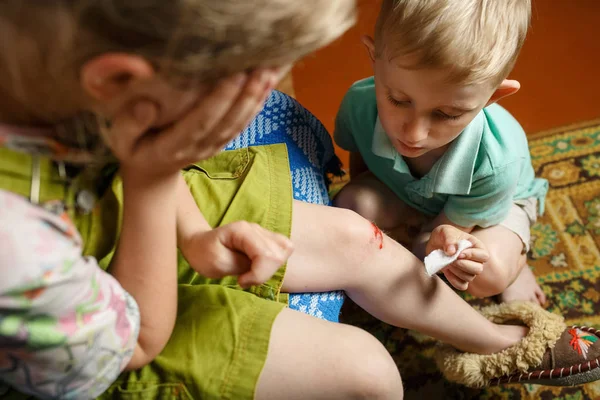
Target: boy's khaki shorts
[
  {"x": 521, "y": 217},
  {"x": 220, "y": 341}
]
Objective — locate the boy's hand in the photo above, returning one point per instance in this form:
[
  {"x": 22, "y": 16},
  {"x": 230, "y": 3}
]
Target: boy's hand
[
  {"x": 470, "y": 262},
  {"x": 217, "y": 118},
  {"x": 240, "y": 248}
]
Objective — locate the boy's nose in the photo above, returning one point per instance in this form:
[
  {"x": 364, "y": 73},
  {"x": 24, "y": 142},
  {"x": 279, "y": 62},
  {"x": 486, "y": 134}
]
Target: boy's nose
[{"x": 414, "y": 132}]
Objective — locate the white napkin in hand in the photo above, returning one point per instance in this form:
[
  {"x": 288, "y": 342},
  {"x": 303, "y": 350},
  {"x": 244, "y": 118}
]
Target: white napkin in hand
[{"x": 437, "y": 259}]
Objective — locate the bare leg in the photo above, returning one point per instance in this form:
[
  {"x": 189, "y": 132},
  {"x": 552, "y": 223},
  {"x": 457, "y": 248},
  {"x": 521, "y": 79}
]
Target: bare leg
[
  {"x": 338, "y": 249},
  {"x": 506, "y": 273},
  {"x": 313, "y": 359}
]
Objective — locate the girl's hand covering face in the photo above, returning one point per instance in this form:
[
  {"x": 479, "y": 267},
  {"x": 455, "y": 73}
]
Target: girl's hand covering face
[{"x": 213, "y": 122}]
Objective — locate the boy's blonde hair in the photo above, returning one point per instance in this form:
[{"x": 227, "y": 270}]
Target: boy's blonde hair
[{"x": 476, "y": 40}]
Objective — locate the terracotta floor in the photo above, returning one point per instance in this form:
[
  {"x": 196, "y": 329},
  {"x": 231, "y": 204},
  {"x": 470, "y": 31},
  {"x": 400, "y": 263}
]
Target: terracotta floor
[{"x": 559, "y": 67}]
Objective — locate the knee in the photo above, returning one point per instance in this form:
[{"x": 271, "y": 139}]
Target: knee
[
  {"x": 358, "y": 236},
  {"x": 372, "y": 371},
  {"x": 359, "y": 199},
  {"x": 494, "y": 279}
]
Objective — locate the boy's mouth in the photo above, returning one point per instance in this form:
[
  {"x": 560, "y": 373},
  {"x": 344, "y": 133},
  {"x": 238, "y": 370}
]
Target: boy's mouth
[{"x": 408, "y": 148}]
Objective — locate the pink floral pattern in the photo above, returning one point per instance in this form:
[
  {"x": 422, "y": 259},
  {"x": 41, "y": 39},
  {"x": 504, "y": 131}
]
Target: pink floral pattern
[{"x": 67, "y": 328}]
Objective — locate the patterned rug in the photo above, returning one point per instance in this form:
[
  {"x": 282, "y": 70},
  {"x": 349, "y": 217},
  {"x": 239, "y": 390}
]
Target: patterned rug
[{"x": 565, "y": 257}]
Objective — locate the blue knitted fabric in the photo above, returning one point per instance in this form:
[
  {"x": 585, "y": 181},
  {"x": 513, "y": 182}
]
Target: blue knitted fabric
[{"x": 311, "y": 154}]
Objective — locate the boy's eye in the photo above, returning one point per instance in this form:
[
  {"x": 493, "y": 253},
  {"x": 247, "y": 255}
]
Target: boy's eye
[
  {"x": 441, "y": 115},
  {"x": 398, "y": 103}
]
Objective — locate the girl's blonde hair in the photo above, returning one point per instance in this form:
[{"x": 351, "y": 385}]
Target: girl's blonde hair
[
  {"x": 188, "y": 41},
  {"x": 209, "y": 39},
  {"x": 200, "y": 39},
  {"x": 476, "y": 40}
]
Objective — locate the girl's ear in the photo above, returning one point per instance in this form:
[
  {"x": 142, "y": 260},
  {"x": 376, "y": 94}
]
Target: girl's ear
[{"x": 110, "y": 75}]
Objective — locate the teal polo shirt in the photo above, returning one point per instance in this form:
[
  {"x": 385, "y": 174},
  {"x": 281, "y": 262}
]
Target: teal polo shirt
[{"x": 483, "y": 172}]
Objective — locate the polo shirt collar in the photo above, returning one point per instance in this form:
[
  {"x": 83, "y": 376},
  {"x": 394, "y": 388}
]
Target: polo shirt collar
[{"x": 453, "y": 172}]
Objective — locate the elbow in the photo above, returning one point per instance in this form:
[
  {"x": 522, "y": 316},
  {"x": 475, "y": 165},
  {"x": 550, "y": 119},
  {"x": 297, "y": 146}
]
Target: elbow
[
  {"x": 141, "y": 357},
  {"x": 147, "y": 348},
  {"x": 138, "y": 360}
]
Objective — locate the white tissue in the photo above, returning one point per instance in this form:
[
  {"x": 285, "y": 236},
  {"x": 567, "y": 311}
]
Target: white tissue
[{"x": 437, "y": 259}]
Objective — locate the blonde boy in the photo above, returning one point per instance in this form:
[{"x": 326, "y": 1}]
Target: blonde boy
[{"x": 425, "y": 134}]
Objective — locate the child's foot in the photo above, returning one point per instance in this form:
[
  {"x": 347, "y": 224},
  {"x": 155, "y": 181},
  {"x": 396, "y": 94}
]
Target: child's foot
[
  {"x": 524, "y": 288},
  {"x": 551, "y": 353},
  {"x": 572, "y": 361}
]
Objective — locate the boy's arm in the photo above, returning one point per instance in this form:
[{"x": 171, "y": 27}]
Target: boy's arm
[
  {"x": 487, "y": 204},
  {"x": 357, "y": 165},
  {"x": 344, "y": 138}
]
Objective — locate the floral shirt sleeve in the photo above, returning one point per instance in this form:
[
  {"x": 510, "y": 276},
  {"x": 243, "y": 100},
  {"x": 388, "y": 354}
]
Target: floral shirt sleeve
[{"x": 67, "y": 328}]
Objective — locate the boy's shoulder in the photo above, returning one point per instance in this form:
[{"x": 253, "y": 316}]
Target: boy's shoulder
[
  {"x": 503, "y": 140},
  {"x": 361, "y": 95},
  {"x": 359, "y": 106},
  {"x": 503, "y": 134},
  {"x": 363, "y": 87}
]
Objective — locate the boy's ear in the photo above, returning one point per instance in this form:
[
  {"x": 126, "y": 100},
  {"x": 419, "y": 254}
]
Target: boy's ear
[
  {"x": 109, "y": 75},
  {"x": 506, "y": 88},
  {"x": 370, "y": 46}
]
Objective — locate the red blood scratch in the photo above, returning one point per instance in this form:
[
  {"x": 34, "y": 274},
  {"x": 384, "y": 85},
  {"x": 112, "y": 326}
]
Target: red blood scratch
[{"x": 378, "y": 235}]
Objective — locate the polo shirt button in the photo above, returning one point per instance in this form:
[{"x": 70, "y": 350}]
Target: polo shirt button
[{"x": 85, "y": 201}]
